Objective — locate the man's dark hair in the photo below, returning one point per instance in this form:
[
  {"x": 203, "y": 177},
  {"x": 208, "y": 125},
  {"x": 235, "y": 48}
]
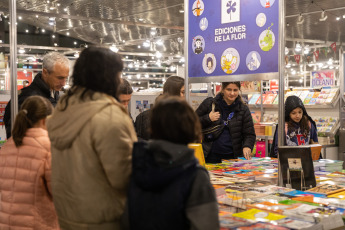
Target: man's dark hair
[
  {"x": 96, "y": 70},
  {"x": 172, "y": 119},
  {"x": 125, "y": 87}
]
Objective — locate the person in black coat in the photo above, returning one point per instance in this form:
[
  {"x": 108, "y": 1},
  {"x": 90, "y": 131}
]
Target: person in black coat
[
  {"x": 238, "y": 136},
  {"x": 46, "y": 84},
  {"x": 166, "y": 174},
  {"x": 174, "y": 86}
]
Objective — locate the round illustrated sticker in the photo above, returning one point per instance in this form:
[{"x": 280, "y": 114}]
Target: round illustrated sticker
[
  {"x": 209, "y": 63},
  {"x": 267, "y": 39},
  {"x": 230, "y": 60},
  {"x": 198, "y": 45},
  {"x": 267, "y": 3},
  {"x": 253, "y": 60},
  {"x": 261, "y": 20},
  {"x": 198, "y": 8},
  {"x": 203, "y": 24}
]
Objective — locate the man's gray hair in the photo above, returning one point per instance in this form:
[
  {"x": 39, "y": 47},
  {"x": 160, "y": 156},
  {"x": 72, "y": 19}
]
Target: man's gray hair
[{"x": 50, "y": 59}]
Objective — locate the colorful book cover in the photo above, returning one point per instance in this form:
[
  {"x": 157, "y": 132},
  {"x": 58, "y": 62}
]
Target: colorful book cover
[
  {"x": 254, "y": 99},
  {"x": 326, "y": 189},
  {"x": 303, "y": 95},
  {"x": 256, "y": 214},
  {"x": 316, "y": 94},
  {"x": 295, "y": 224},
  {"x": 312, "y": 101},
  {"x": 269, "y": 207},
  {"x": 339, "y": 195},
  {"x": 262, "y": 226},
  {"x": 301, "y": 193},
  {"x": 270, "y": 98},
  {"x": 276, "y": 100},
  {"x": 308, "y": 98},
  {"x": 256, "y": 117}
]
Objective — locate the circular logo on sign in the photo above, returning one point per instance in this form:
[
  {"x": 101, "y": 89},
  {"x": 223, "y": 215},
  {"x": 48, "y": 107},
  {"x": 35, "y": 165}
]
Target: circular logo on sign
[
  {"x": 198, "y": 45},
  {"x": 253, "y": 60},
  {"x": 230, "y": 60},
  {"x": 198, "y": 8},
  {"x": 267, "y": 3},
  {"x": 203, "y": 24},
  {"x": 261, "y": 20},
  {"x": 267, "y": 39},
  {"x": 209, "y": 63}
]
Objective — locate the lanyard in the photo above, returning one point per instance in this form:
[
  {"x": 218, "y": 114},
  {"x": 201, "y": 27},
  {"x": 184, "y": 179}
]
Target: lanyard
[{"x": 231, "y": 115}]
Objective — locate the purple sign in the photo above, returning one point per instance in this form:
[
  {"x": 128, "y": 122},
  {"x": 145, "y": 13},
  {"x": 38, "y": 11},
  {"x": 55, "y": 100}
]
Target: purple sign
[{"x": 233, "y": 37}]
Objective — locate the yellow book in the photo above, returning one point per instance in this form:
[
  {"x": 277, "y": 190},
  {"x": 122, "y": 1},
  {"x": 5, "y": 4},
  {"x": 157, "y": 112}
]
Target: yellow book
[{"x": 258, "y": 215}]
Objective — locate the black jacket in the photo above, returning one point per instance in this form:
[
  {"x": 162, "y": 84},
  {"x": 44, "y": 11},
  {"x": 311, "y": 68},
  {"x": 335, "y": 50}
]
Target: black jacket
[
  {"x": 169, "y": 190},
  {"x": 142, "y": 125},
  {"x": 37, "y": 88},
  {"x": 241, "y": 125}
]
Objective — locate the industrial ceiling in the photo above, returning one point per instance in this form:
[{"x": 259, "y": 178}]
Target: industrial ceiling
[{"x": 143, "y": 27}]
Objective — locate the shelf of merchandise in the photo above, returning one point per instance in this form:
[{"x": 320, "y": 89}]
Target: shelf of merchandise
[{"x": 275, "y": 106}]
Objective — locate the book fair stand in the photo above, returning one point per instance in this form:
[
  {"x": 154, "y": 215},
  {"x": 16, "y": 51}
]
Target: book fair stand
[{"x": 245, "y": 41}]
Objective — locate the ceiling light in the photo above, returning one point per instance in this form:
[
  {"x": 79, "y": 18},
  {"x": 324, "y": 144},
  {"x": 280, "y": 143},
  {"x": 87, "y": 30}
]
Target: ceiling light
[
  {"x": 181, "y": 11},
  {"x": 141, "y": 19},
  {"x": 338, "y": 18},
  {"x": 65, "y": 9},
  {"x": 146, "y": 43},
  {"x": 158, "y": 54},
  {"x": 55, "y": 44},
  {"x": 20, "y": 18},
  {"x": 323, "y": 16},
  {"x": 58, "y": 4},
  {"x": 53, "y": 36},
  {"x": 36, "y": 16},
  {"x": 159, "y": 42},
  {"x": 27, "y": 31},
  {"x": 43, "y": 30},
  {"x": 21, "y": 50},
  {"x": 300, "y": 19},
  {"x": 67, "y": 33},
  {"x": 114, "y": 48},
  {"x": 126, "y": 57},
  {"x": 139, "y": 47},
  {"x": 75, "y": 43}
]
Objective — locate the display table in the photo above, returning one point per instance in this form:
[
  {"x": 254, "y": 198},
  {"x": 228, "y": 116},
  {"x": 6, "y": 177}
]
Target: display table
[{"x": 249, "y": 198}]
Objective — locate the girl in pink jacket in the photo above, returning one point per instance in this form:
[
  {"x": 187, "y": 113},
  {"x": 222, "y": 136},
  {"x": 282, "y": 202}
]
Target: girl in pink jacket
[{"x": 25, "y": 170}]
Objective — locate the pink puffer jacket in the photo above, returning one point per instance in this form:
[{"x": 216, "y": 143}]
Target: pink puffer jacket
[{"x": 26, "y": 201}]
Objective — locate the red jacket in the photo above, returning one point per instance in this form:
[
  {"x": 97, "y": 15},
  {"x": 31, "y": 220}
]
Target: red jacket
[{"x": 26, "y": 201}]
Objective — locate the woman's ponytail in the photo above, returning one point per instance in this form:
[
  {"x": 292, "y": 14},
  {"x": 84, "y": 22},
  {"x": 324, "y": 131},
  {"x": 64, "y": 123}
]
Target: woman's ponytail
[{"x": 33, "y": 110}]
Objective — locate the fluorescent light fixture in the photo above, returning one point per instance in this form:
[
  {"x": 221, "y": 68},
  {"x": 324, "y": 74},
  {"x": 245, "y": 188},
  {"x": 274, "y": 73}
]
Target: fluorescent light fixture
[
  {"x": 114, "y": 48},
  {"x": 323, "y": 16},
  {"x": 21, "y": 50},
  {"x": 300, "y": 20}
]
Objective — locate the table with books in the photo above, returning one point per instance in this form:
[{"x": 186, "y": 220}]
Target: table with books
[{"x": 249, "y": 197}]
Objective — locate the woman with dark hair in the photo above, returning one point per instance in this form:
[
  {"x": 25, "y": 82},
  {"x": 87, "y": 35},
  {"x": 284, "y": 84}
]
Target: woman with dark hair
[
  {"x": 238, "y": 136},
  {"x": 92, "y": 138},
  {"x": 300, "y": 129},
  {"x": 174, "y": 86},
  {"x": 165, "y": 172},
  {"x": 25, "y": 171}
]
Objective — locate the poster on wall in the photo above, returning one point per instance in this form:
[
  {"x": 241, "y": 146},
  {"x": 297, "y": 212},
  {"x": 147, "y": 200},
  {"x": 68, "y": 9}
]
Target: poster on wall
[
  {"x": 232, "y": 37},
  {"x": 323, "y": 78},
  {"x": 21, "y": 77}
]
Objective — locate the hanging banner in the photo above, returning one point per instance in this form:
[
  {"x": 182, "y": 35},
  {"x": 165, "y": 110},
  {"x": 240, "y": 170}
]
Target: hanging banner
[
  {"x": 316, "y": 54},
  {"x": 323, "y": 78},
  {"x": 232, "y": 37},
  {"x": 334, "y": 46},
  {"x": 298, "y": 58}
]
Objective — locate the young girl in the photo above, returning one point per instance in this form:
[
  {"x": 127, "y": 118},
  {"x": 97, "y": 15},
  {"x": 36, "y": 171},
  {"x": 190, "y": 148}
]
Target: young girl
[
  {"x": 300, "y": 129},
  {"x": 25, "y": 169},
  {"x": 165, "y": 173}
]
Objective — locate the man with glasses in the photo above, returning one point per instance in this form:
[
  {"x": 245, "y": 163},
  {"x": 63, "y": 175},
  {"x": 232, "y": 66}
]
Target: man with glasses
[{"x": 47, "y": 84}]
